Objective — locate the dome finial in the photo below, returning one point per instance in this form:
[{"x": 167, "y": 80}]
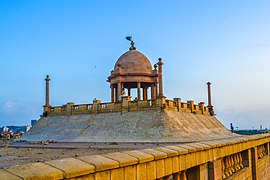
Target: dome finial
[{"x": 129, "y": 38}]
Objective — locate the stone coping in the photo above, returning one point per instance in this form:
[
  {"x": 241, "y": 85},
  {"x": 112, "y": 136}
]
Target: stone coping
[{"x": 87, "y": 165}]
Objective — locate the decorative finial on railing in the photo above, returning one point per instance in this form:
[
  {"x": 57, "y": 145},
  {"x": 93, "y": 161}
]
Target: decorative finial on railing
[{"x": 129, "y": 38}]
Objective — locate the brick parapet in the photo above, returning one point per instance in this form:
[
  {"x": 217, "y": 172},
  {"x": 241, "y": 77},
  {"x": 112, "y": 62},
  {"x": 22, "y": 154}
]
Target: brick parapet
[{"x": 160, "y": 162}]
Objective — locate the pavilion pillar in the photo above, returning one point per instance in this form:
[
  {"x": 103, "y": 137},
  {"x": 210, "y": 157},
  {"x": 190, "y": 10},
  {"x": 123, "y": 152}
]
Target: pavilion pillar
[
  {"x": 115, "y": 93},
  {"x": 145, "y": 95},
  {"x": 156, "y": 90},
  {"x": 138, "y": 91},
  {"x": 119, "y": 90},
  {"x": 160, "y": 63},
  {"x": 152, "y": 91},
  {"x": 122, "y": 87},
  {"x": 112, "y": 93},
  {"x": 129, "y": 94}
]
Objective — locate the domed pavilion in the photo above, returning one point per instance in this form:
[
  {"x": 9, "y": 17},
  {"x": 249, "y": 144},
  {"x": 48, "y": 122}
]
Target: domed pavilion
[{"x": 134, "y": 70}]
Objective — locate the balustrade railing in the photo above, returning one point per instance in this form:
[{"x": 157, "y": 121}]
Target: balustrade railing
[
  {"x": 262, "y": 151},
  {"x": 231, "y": 164},
  {"x": 98, "y": 107}
]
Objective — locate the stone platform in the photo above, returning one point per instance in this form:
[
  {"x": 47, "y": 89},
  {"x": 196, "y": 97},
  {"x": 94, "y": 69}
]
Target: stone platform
[{"x": 152, "y": 125}]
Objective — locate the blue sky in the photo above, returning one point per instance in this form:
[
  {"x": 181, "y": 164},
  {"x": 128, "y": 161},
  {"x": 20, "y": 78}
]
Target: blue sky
[{"x": 77, "y": 43}]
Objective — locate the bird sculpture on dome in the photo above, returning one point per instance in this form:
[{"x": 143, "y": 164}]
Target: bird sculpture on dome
[{"x": 129, "y": 38}]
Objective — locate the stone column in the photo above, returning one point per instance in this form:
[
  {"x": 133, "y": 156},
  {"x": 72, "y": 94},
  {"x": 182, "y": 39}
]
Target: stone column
[
  {"x": 129, "y": 94},
  {"x": 112, "y": 93},
  {"x": 210, "y": 106},
  {"x": 47, "y": 100},
  {"x": 46, "y": 107},
  {"x": 119, "y": 90},
  {"x": 122, "y": 87},
  {"x": 115, "y": 94},
  {"x": 138, "y": 91},
  {"x": 160, "y": 63},
  {"x": 145, "y": 95},
  {"x": 209, "y": 94},
  {"x": 152, "y": 91},
  {"x": 156, "y": 82}
]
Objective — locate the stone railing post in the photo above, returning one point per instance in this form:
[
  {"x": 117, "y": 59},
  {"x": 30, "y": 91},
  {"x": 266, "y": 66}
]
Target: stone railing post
[
  {"x": 69, "y": 107},
  {"x": 160, "y": 102},
  {"x": 268, "y": 148},
  {"x": 178, "y": 103},
  {"x": 96, "y": 104},
  {"x": 254, "y": 158},
  {"x": 191, "y": 105},
  {"x": 215, "y": 170},
  {"x": 201, "y": 105},
  {"x": 125, "y": 103}
]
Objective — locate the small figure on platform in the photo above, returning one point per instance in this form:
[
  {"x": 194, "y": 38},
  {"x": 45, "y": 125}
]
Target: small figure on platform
[
  {"x": 123, "y": 94},
  {"x": 232, "y": 128}
]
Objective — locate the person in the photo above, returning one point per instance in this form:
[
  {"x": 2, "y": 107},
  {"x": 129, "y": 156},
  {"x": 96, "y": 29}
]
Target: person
[
  {"x": 123, "y": 94},
  {"x": 232, "y": 128}
]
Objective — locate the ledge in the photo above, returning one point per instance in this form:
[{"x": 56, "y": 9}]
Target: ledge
[
  {"x": 36, "y": 171},
  {"x": 72, "y": 167},
  {"x": 141, "y": 156},
  {"x": 101, "y": 163},
  {"x": 123, "y": 159},
  {"x": 135, "y": 163}
]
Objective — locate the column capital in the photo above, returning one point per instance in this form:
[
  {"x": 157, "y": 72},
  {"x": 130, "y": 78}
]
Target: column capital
[
  {"x": 47, "y": 78},
  {"x": 160, "y": 62}
]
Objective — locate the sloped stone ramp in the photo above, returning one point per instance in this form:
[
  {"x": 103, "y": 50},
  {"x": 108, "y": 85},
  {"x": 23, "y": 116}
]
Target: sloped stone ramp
[{"x": 137, "y": 126}]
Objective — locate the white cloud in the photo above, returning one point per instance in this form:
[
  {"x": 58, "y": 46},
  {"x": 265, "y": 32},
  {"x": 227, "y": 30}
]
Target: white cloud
[
  {"x": 10, "y": 106},
  {"x": 264, "y": 45}
]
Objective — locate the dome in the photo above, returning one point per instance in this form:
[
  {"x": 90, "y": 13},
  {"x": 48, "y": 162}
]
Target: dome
[{"x": 134, "y": 61}]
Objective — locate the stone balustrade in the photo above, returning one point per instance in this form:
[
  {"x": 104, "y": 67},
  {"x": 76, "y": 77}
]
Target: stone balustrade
[
  {"x": 231, "y": 164},
  {"x": 234, "y": 158},
  {"x": 262, "y": 151},
  {"x": 127, "y": 105}
]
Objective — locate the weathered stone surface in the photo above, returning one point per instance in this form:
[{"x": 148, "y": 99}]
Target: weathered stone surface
[
  {"x": 72, "y": 167},
  {"x": 138, "y": 126},
  {"x": 36, "y": 171}
]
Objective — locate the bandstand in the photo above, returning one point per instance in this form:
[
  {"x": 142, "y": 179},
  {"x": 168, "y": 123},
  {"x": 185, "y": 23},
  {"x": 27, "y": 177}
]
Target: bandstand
[{"x": 134, "y": 70}]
